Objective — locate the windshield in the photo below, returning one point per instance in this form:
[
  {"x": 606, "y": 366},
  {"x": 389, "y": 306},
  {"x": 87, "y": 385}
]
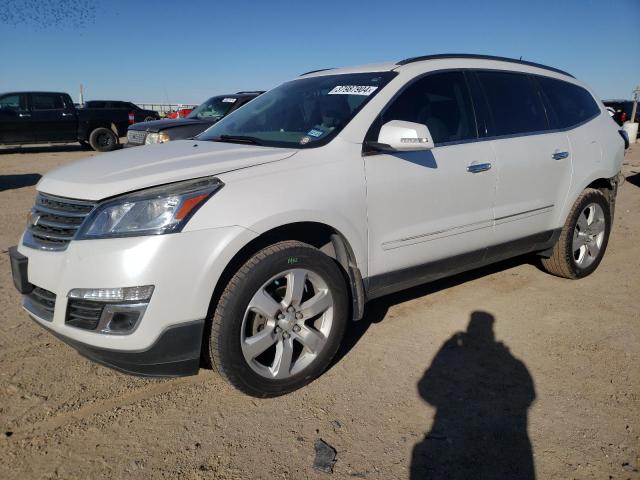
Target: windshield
[
  {"x": 302, "y": 113},
  {"x": 214, "y": 108}
]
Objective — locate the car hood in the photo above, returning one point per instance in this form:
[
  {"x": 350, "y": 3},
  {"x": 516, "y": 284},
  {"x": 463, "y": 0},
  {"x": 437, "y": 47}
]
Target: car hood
[
  {"x": 132, "y": 169},
  {"x": 166, "y": 124}
]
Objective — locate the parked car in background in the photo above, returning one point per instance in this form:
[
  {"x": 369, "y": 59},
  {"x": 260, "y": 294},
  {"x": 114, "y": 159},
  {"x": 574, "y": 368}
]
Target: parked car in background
[
  {"x": 52, "y": 117},
  {"x": 180, "y": 113},
  {"x": 256, "y": 243},
  {"x": 622, "y": 110},
  {"x": 201, "y": 118},
  {"x": 134, "y": 112}
]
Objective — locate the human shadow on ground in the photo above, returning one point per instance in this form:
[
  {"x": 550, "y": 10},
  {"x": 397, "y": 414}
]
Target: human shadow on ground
[
  {"x": 10, "y": 182},
  {"x": 481, "y": 393}
]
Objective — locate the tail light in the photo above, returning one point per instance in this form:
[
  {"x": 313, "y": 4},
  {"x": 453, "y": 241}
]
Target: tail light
[
  {"x": 623, "y": 117},
  {"x": 132, "y": 118}
]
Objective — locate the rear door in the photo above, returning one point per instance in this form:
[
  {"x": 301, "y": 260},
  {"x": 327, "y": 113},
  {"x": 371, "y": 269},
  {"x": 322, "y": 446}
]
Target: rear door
[
  {"x": 15, "y": 119},
  {"x": 533, "y": 163},
  {"x": 54, "y": 118}
]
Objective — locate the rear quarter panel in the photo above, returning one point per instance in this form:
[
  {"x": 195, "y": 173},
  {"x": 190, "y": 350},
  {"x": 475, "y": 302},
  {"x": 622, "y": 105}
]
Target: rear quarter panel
[{"x": 597, "y": 151}]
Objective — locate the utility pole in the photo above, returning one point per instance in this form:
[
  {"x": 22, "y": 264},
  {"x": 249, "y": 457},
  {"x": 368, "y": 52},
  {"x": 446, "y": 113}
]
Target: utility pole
[
  {"x": 636, "y": 97},
  {"x": 81, "y": 95}
]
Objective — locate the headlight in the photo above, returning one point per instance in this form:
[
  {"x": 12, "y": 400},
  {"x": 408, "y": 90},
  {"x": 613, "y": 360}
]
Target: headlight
[
  {"x": 161, "y": 137},
  {"x": 154, "y": 211}
]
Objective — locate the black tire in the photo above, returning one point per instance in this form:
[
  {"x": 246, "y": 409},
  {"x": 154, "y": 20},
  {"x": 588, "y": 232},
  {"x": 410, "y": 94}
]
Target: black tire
[
  {"x": 149, "y": 119},
  {"x": 103, "y": 140},
  {"x": 562, "y": 262},
  {"x": 224, "y": 335}
]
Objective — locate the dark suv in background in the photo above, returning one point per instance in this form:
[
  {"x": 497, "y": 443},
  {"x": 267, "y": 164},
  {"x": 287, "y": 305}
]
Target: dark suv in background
[
  {"x": 201, "y": 118},
  {"x": 139, "y": 114}
]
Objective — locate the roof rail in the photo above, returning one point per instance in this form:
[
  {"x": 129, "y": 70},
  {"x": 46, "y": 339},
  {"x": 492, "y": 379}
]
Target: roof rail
[
  {"x": 480, "y": 57},
  {"x": 316, "y": 71},
  {"x": 243, "y": 92}
]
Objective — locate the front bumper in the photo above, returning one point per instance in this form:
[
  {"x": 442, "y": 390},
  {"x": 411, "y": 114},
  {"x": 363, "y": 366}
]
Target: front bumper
[
  {"x": 184, "y": 269},
  {"x": 176, "y": 353}
]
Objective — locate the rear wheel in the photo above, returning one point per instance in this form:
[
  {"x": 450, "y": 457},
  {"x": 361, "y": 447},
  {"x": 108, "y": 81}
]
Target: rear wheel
[
  {"x": 584, "y": 237},
  {"x": 103, "y": 140},
  {"x": 280, "y": 320}
]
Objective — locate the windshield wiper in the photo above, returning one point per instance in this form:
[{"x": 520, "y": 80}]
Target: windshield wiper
[{"x": 237, "y": 139}]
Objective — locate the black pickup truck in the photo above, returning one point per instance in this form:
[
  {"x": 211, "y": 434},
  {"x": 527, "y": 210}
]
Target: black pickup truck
[{"x": 51, "y": 117}]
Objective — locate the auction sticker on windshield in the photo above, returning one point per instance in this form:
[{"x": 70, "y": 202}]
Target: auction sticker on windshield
[
  {"x": 365, "y": 90},
  {"x": 229, "y": 100}
]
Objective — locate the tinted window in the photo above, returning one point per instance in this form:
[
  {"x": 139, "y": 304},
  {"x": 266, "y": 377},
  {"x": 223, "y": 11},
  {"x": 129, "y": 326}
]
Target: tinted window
[
  {"x": 441, "y": 102},
  {"x": 96, "y": 104},
  {"x": 47, "y": 101},
  {"x": 514, "y": 104},
  {"x": 12, "y": 102},
  {"x": 569, "y": 104},
  {"x": 214, "y": 108}
]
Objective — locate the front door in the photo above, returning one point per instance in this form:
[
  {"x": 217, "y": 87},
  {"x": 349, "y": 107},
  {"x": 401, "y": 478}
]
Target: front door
[
  {"x": 15, "y": 119},
  {"x": 430, "y": 207}
]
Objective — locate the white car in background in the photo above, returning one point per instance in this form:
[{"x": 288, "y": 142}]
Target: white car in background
[{"x": 253, "y": 245}]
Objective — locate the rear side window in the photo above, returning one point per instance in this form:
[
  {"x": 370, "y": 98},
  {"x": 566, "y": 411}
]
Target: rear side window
[
  {"x": 514, "y": 104},
  {"x": 47, "y": 101},
  {"x": 96, "y": 104},
  {"x": 569, "y": 104},
  {"x": 441, "y": 101}
]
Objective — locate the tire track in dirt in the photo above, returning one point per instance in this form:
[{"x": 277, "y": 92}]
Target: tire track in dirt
[{"x": 106, "y": 405}]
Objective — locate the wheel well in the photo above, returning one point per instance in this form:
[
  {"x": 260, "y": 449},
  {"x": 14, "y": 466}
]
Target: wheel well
[
  {"x": 609, "y": 188},
  {"x": 601, "y": 184},
  {"x": 325, "y": 238}
]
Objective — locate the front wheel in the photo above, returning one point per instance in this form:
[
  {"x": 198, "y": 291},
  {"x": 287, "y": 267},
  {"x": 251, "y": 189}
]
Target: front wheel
[
  {"x": 583, "y": 239},
  {"x": 280, "y": 320}
]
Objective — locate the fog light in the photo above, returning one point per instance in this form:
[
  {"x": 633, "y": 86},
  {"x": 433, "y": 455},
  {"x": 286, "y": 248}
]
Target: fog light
[
  {"x": 123, "y": 321},
  {"x": 125, "y": 294}
]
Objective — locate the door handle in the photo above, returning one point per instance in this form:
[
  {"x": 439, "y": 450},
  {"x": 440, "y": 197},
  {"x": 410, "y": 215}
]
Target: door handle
[
  {"x": 560, "y": 155},
  {"x": 23, "y": 115},
  {"x": 478, "y": 167},
  {"x": 66, "y": 114}
]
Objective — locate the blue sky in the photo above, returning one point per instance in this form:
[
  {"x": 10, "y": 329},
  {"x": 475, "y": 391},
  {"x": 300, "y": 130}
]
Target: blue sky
[{"x": 187, "y": 51}]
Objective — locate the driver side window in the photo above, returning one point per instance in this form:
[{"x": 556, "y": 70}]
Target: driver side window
[
  {"x": 12, "y": 102},
  {"x": 441, "y": 101}
]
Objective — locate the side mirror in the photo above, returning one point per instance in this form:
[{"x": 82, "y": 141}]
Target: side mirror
[{"x": 401, "y": 136}]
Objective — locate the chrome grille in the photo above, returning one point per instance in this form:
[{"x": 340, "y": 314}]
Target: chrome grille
[
  {"x": 83, "y": 314},
  {"x": 41, "y": 303},
  {"x": 136, "y": 136},
  {"x": 54, "y": 221}
]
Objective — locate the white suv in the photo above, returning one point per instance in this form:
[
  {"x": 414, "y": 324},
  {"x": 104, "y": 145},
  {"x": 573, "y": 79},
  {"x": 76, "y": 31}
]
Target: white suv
[{"x": 252, "y": 246}]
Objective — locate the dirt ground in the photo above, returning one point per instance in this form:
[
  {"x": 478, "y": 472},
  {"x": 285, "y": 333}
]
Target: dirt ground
[{"x": 501, "y": 370}]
